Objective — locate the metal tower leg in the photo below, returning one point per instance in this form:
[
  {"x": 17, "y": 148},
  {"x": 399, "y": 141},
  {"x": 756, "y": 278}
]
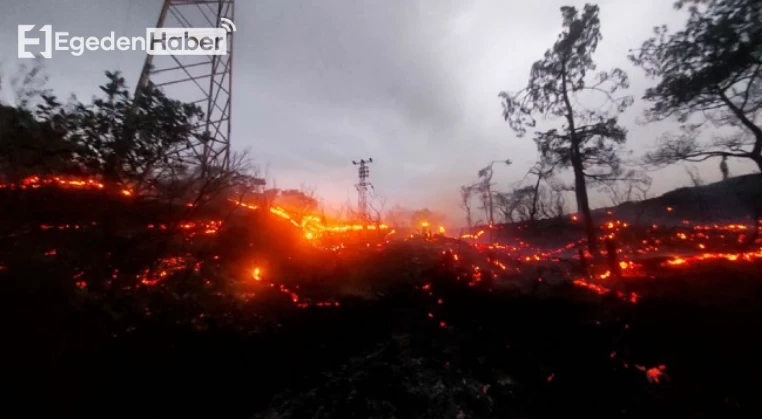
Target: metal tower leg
[{"x": 206, "y": 81}]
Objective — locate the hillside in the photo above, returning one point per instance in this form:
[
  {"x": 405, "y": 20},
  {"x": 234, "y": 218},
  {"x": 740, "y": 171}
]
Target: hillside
[{"x": 732, "y": 200}]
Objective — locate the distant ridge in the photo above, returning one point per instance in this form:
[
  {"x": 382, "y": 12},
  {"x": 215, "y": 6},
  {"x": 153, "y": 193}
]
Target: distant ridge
[{"x": 731, "y": 200}]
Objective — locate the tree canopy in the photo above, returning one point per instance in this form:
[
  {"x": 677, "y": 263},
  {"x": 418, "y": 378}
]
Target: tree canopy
[
  {"x": 142, "y": 143},
  {"x": 559, "y": 86},
  {"x": 708, "y": 74}
]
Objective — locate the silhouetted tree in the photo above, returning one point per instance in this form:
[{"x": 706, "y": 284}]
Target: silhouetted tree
[
  {"x": 377, "y": 205},
  {"x": 135, "y": 143},
  {"x": 26, "y": 85},
  {"x": 631, "y": 187},
  {"x": 466, "y": 192},
  {"x": 421, "y": 215},
  {"x": 505, "y": 204},
  {"x": 541, "y": 199},
  {"x": 589, "y": 140},
  {"x": 204, "y": 185},
  {"x": 300, "y": 201},
  {"x": 33, "y": 128},
  {"x": 694, "y": 175},
  {"x": 485, "y": 187},
  {"x": 542, "y": 170},
  {"x": 524, "y": 200},
  {"x": 399, "y": 217},
  {"x": 708, "y": 74},
  {"x": 29, "y": 146},
  {"x": 556, "y": 207},
  {"x": 142, "y": 145}
]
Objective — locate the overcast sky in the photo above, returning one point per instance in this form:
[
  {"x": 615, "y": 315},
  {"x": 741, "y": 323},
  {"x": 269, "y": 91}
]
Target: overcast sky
[{"x": 411, "y": 83}]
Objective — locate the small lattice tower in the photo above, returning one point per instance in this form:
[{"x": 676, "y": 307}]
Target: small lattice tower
[{"x": 363, "y": 185}]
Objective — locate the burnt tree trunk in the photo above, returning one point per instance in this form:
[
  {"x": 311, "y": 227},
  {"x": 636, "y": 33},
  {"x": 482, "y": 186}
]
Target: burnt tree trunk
[{"x": 583, "y": 205}]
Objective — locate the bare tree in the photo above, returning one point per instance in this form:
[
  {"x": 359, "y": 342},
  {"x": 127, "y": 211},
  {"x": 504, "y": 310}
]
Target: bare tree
[
  {"x": 505, "y": 204},
  {"x": 299, "y": 202},
  {"x": 694, "y": 175},
  {"x": 556, "y": 207},
  {"x": 27, "y": 84},
  {"x": 485, "y": 187},
  {"x": 525, "y": 201},
  {"x": 399, "y": 217},
  {"x": 544, "y": 198},
  {"x": 377, "y": 204},
  {"x": 193, "y": 189},
  {"x": 485, "y": 201},
  {"x": 542, "y": 171},
  {"x": 630, "y": 187},
  {"x": 466, "y": 193}
]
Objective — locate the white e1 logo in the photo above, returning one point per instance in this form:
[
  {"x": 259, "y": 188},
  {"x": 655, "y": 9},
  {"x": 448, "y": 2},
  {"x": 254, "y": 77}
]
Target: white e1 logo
[{"x": 24, "y": 41}]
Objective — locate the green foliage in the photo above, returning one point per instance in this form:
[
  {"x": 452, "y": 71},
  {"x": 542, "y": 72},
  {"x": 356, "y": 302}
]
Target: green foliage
[{"x": 708, "y": 73}]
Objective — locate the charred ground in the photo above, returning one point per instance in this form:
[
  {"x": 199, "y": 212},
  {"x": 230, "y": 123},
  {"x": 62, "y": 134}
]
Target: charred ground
[{"x": 123, "y": 318}]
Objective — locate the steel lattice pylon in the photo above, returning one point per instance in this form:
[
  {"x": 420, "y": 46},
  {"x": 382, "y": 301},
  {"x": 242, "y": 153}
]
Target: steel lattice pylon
[
  {"x": 204, "y": 80},
  {"x": 363, "y": 173}
]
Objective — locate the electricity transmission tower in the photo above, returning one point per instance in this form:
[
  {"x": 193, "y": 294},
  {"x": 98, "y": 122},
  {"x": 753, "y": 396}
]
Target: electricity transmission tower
[
  {"x": 205, "y": 80},
  {"x": 362, "y": 188}
]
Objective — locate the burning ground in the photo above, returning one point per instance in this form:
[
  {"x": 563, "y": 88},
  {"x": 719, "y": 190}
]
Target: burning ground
[{"x": 122, "y": 306}]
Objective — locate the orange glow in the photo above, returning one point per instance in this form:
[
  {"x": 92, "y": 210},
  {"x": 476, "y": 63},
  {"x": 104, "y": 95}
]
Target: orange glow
[
  {"x": 312, "y": 225},
  {"x": 152, "y": 277},
  {"x": 317, "y": 231},
  {"x": 677, "y": 261},
  {"x": 653, "y": 375},
  {"x": 731, "y": 257},
  {"x": 601, "y": 290}
]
